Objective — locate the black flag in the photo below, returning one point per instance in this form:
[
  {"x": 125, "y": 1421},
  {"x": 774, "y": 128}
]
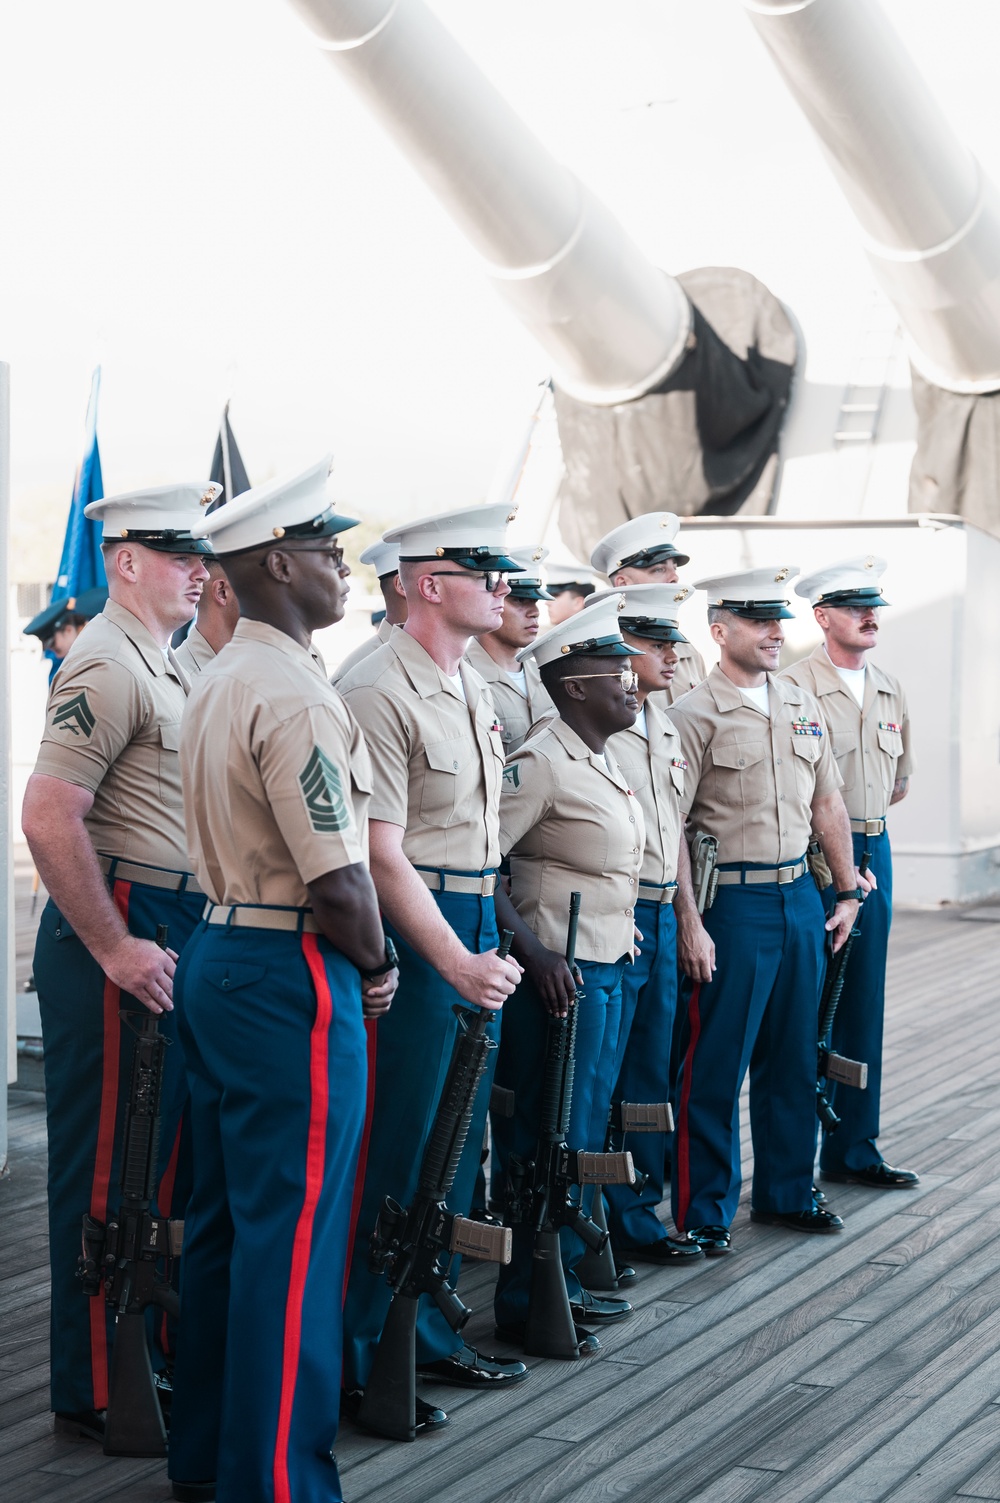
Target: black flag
[{"x": 228, "y": 469}]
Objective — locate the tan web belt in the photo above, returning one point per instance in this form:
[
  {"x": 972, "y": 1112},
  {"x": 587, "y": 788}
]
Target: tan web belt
[
  {"x": 250, "y": 916},
  {"x": 652, "y": 892},
  {"x": 483, "y": 886},
  {"x": 867, "y": 826},
  {"x": 748, "y": 876},
  {"x": 148, "y": 876}
]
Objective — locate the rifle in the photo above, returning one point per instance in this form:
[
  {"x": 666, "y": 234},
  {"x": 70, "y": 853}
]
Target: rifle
[
  {"x": 596, "y": 1270},
  {"x": 124, "y": 1254},
  {"x": 832, "y": 1066},
  {"x": 540, "y": 1190},
  {"x": 414, "y": 1247}
]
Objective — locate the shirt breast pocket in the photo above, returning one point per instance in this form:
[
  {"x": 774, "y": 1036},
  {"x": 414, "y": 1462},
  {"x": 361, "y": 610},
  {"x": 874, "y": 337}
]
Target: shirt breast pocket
[
  {"x": 807, "y": 751},
  {"x": 738, "y": 779},
  {"x": 845, "y": 756},
  {"x": 169, "y": 765},
  {"x": 891, "y": 742},
  {"x": 442, "y": 784}
]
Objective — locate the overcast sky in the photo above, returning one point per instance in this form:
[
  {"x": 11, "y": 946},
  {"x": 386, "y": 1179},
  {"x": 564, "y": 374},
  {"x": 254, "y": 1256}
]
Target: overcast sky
[{"x": 192, "y": 196}]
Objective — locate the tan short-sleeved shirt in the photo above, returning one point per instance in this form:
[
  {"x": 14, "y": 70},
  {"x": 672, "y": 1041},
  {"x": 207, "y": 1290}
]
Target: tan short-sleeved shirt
[
  {"x": 570, "y": 824},
  {"x": 751, "y": 778},
  {"x": 276, "y": 772},
  {"x": 871, "y": 742},
  {"x": 112, "y": 726},
  {"x": 653, "y": 766},
  {"x": 195, "y": 653},
  {"x": 437, "y": 762},
  {"x": 516, "y": 713},
  {"x": 382, "y": 634}
]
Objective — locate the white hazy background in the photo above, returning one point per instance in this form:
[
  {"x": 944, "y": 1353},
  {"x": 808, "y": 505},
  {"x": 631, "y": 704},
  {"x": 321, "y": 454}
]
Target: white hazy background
[{"x": 191, "y": 195}]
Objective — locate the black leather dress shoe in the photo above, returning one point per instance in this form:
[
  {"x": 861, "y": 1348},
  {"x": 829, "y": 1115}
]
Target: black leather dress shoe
[
  {"x": 625, "y": 1275},
  {"x": 713, "y": 1240},
  {"x": 665, "y": 1250},
  {"x": 469, "y": 1369},
  {"x": 599, "y": 1308},
  {"x": 881, "y": 1176},
  {"x": 819, "y": 1199},
  {"x": 80, "y": 1424},
  {"x": 427, "y": 1417},
  {"x": 813, "y": 1220},
  {"x": 587, "y": 1343},
  {"x": 193, "y": 1492}
]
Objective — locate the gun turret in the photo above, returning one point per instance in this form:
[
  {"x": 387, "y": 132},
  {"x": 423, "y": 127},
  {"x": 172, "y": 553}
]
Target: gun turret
[
  {"x": 613, "y": 325},
  {"x": 929, "y": 215}
]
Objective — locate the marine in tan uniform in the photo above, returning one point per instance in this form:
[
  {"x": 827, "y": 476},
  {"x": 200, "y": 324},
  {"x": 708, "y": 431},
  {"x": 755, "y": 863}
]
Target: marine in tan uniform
[
  {"x": 270, "y": 993},
  {"x": 218, "y": 613},
  {"x": 437, "y": 760},
  {"x": 650, "y": 757},
  {"x": 570, "y": 588},
  {"x": 515, "y": 686},
  {"x": 384, "y": 559},
  {"x": 569, "y": 822},
  {"x": 103, "y": 816},
  {"x": 868, "y": 723},
  {"x": 760, "y": 776},
  {"x": 643, "y": 551}
]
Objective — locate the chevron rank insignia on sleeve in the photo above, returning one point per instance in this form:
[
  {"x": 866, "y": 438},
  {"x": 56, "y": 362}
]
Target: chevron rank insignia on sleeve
[
  {"x": 323, "y": 792},
  {"x": 512, "y": 776},
  {"x": 75, "y": 716}
]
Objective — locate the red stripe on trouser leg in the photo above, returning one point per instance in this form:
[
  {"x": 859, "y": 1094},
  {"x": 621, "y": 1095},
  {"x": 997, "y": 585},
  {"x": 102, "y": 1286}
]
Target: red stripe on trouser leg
[
  {"x": 319, "y": 1101},
  {"x": 164, "y": 1200},
  {"x": 683, "y": 1140},
  {"x": 371, "y": 1030},
  {"x": 102, "y": 1162}
]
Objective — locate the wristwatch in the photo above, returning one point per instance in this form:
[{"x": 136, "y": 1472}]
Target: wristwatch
[
  {"x": 391, "y": 962},
  {"x": 853, "y": 894}
]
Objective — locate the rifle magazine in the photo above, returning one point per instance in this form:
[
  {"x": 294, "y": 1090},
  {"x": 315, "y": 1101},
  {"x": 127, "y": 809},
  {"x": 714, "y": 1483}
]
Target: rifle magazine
[
  {"x": 476, "y": 1239},
  {"x": 604, "y": 1169}
]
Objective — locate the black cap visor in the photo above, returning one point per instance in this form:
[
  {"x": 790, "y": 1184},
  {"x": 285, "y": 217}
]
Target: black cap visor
[
  {"x": 528, "y": 589},
  {"x": 646, "y": 558},
  {"x": 466, "y": 558},
  {"x": 649, "y": 626},
  {"x": 853, "y": 597},
  {"x": 601, "y": 647},
  {"x": 581, "y": 586},
  {"x": 757, "y": 610},
  {"x": 164, "y": 542}
]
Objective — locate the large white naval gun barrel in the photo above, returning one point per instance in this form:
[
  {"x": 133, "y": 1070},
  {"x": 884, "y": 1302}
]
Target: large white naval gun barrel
[
  {"x": 929, "y": 215},
  {"x": 613, "y": 325}
]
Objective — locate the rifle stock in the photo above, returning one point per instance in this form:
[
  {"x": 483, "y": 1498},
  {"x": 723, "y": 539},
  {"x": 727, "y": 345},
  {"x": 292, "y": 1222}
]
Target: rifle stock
[
  {"x": 414, "y": 1247},
  {"x": 124, "y": 1256},
  {"x": 540, "y": 1191},
  {"x": 830, "y": 1065}
]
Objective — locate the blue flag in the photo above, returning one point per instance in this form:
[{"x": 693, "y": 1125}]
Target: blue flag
[{"x": 81, "y": 566}]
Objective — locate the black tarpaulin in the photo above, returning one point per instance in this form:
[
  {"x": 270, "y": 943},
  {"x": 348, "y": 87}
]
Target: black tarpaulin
[{"x": 706, "y": 440}]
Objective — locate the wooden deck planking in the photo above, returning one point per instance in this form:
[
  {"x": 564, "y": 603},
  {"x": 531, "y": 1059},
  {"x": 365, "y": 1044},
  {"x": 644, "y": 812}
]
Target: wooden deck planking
[{"x": 847, "y": 1368}]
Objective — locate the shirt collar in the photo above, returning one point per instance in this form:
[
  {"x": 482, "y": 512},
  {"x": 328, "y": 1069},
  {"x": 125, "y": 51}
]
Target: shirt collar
[
  {"x": 578, "y": 749},
  {"x": 829, "y": 680},
  {"x": 728, "y": 696},
  {"x": 271, "y": 636},
  {"x": 422, "y": 671},
  {"x": 140, "y": 636}
]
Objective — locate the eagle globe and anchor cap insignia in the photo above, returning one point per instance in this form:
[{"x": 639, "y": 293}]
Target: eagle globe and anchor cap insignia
[
  {"x": 323, "y": 793},
  {"x": 75, "y": 716}
]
